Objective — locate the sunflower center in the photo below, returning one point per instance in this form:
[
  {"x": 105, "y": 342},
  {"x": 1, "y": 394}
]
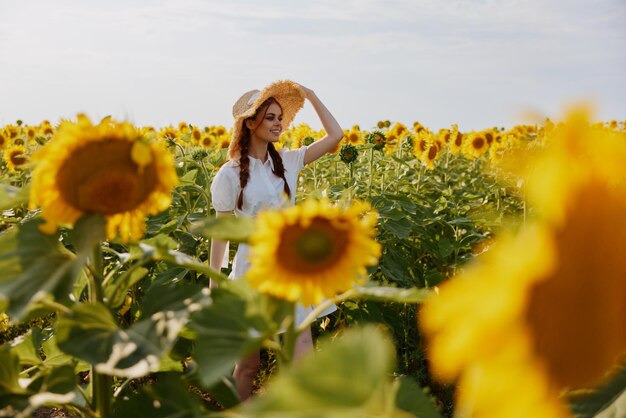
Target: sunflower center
[
  {"x": 313, "y": 245},
  {"x": 313, "y": 248},
  {"x": 17, "y": 158},
  {"x": 478, "y": 143},
  {"x": 432, "y": 152},
  {"x": 101, "y": 177},
  {"x": 578, "y": 314}
]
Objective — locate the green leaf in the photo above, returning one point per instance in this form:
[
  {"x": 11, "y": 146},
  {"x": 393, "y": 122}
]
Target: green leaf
[
  {"x": 225, "y": 392},
  {"x": 36, "y": 266},
  {"x": 91, "y": 333},
  {"x": 227, "y": 228},
  {"x": 115, "y": 292},
  {"x": 396, "y": 266},
  {"x": 57, "y": 388},
  {"x": 191, "y": 263},
  {"x": 347, "y": 377},
  {"x": 26, "y": 347},
  {"x": 189, "y": 177},
  {"x": 445, "y": 247},
  {"x": 11, "y": 196},
  {"x": 55, "y": 357},
  {"x": 225, "y": 332},
  {"x": 168, "y": 397},
  {"x": 589, "y": 402},
  {"x": 88, "y": 333},
  {"x": 9, "y": 373},
  {"x": 33, "y": 266},
  {"x": 410, "y": 397},
  {"x": 401, "y": 228}
]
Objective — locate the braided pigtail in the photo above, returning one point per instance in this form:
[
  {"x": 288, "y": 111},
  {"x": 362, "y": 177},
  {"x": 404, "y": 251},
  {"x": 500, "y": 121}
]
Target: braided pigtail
[
  {"x": 244, "y": 164},
  {"x": 279, "y": 168}
]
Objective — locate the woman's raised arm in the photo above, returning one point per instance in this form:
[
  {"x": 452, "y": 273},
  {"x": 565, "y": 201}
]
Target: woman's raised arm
[{"x": 334, "y": 133}]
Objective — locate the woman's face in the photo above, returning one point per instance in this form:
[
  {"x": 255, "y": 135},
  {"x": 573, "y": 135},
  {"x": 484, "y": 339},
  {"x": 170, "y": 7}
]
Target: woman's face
[{"x": 269, "y": 124}]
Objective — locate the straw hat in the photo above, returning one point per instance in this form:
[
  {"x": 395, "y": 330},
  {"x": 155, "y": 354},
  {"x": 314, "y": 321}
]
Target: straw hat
[{"x": 287, "y": 93}]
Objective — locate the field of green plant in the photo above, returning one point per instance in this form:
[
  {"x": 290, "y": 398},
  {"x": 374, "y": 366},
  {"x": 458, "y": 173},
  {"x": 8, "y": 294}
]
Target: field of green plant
[{"x": 106, "y": 309}]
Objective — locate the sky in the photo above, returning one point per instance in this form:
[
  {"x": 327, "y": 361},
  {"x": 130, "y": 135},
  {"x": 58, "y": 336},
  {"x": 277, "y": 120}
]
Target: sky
[{"x": 477, "y": 63}]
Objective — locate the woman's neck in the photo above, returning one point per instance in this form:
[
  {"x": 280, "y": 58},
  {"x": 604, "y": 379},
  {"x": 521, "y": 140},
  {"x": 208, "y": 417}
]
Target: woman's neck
[{"x": 258, "y": 150}]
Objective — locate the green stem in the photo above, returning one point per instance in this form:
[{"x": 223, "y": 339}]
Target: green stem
[
  {"x": 420, "y": 172},
  {"x": 322, "y": 307},
  {"x": 289, "y": 345},
  {"x": 369, "y": 185},
  {"x": 351, "y": 183},
  {"x": 101, "y": 384},
  {"x": 55, "y": 306},
  {"x": 96, "y": 276},
  {"x": 85, "y": 397},
  {"x": 121, "y": 387},
  {"x": 206, "y": 176}
]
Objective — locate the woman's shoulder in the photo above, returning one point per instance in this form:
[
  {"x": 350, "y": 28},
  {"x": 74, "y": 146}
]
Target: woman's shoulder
[
  {"x": 293, "y": 158},
  {"x": 227, "y": 171},
  {"x": 229, "y": 166}
]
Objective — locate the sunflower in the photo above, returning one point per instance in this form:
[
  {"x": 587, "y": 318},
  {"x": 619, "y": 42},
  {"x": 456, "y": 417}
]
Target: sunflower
[
  {"x": 422, "y": 143},
  {"x": 207, "y": 141},
  {"x": 313, "y": 250},
  {"x": 224, "y": 141},
  {"x": 46, "y": 129},
  {"x": 168, "y": 134},
  {"x": 353, "y": 137},
  {"x": 3, "y": 140},
  {"x": 399, "y": 129},
  {"x": 348, "y": 153},
  {"x": 489, "y": 136},
  {"x": 418, "y": 127},
  {"x": 196, "y": 135},
  {"x": 544, "y": 310},
  {"x": 444, "y": 135},
  {"x": 377, "y": 138},
  {"x": 475, "y": 146},
  {"x": 12, "y": 131},
  {"x": 15, "y": 157},
  {"x": 107, "y": 169},
  {"x": 183, "y": 128},
  {"x": 391, "y": 143},
  {"x": 455, "y": 144},
  {"x": 430, "y": 155},
  {"x": 220, "y": 130}
]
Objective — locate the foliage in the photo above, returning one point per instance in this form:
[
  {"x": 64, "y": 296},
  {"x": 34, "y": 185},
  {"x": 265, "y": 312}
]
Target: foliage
[{"x": 132, "y": 328}]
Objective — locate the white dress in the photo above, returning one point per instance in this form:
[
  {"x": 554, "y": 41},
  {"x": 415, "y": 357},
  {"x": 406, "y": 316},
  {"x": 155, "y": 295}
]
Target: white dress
[{"x": 264, "y": 190}]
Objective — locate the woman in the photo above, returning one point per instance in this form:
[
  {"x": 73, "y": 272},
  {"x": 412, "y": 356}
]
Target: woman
[{"x": 260, "y": 177}]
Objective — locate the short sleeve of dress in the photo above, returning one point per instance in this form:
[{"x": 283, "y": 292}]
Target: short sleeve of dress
[
  {"x": 224, "y": 189},
  {"x": 293, "y": 160}
]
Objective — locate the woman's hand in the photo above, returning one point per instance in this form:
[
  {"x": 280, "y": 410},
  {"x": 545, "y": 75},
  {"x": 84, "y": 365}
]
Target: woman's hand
[
  {"x": 308, "y": 93},
  {"x": 334, "y": 133}
]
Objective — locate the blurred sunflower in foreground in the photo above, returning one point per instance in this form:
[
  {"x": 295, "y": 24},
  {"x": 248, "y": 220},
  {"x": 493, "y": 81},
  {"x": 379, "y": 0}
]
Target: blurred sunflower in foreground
[
  {"x": 106, "y": 169},
  {"x": 544, "y": 311},
  {"x": 313, "y": 250}
]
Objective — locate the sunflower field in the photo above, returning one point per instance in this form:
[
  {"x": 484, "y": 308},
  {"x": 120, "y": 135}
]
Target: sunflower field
[{"x": 476, "y": 274}]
